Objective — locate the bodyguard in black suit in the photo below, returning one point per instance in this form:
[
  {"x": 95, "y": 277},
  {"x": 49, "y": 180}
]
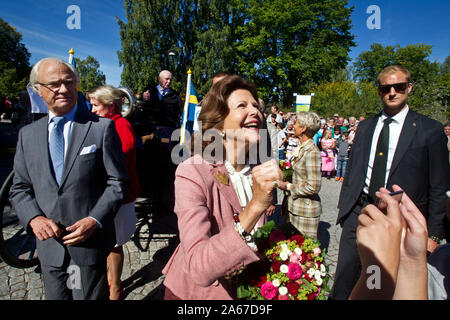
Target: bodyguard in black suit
[
  {"x": 397, "y": 146},
  {"x": 69, "y": 181}
]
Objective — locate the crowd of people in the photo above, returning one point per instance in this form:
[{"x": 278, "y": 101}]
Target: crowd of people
[
  {"x": 76, "y": 179},
  {"x": 334, "y": 139}
]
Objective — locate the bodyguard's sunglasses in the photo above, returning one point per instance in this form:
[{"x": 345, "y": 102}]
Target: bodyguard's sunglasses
[{"x": 399, "y": 87}]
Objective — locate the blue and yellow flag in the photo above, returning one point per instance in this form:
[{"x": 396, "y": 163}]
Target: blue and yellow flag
[
  {"x": 193, "y": 102},
  {"x": 190, "y": 113}
]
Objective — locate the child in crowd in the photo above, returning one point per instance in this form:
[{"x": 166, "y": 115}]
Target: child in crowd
[
  {"x": 327, "y": 153},
  {"x": 282, "y": 140},
  {"x": 342, "y": 156}
]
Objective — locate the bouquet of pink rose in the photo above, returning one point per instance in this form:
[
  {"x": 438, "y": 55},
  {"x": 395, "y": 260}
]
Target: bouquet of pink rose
[
  {"x": 286, "y": 168},
  {"x": 292, "y": 267}
]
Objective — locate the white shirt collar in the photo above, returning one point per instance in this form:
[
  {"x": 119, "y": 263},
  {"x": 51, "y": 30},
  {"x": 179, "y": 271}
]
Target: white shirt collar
[
  {"x": 399, "y": 117},
  {"x": 161, "y": 90},
  {"x": 69, "y": 116}
]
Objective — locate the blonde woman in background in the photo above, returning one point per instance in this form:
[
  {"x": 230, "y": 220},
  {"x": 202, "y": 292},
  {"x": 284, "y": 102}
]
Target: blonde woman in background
[{"x": 106, "y": 102}]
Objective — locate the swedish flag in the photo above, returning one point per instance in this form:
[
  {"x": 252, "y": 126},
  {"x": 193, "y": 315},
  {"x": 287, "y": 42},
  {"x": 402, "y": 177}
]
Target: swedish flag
[{"x": 189, "y": 114}]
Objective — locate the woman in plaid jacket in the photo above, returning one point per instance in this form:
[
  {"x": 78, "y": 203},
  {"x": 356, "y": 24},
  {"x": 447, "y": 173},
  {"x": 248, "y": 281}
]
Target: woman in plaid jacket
[{"x": 304, "y": 202}]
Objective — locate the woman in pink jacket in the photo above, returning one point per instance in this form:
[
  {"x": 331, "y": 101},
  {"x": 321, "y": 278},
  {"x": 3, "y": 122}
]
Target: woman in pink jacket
[{"x": 220, "y": 197}]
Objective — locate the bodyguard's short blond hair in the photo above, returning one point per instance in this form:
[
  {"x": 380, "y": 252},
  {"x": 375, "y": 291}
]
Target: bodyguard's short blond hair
[
  {"x": 394, "y": 69},
  {"x": 108, "y": 95},
  {"x": 310, "y": 120}
]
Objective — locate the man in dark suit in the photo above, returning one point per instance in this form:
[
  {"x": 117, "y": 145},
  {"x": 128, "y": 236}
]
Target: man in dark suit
[
  {"x": 160, "y": 116},
  {"x": 397, "y": 146},
  {"x": 162, "y": 105},
  {"x": 69, "y": 181}
]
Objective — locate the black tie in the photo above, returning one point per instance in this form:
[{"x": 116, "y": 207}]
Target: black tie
[{"x": 379, "y": 163}]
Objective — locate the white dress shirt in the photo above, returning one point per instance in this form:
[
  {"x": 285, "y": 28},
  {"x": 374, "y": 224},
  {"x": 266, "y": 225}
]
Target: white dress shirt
[
  {"x": 161, "y": 91},
  {"x": 395, "y": 128},
  {"x": 241, "y": 182}
]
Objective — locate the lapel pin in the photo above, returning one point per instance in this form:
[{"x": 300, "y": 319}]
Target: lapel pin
[{"x": 222, "y": 178}]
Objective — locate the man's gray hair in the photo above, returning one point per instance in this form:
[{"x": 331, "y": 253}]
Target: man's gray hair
[
  {"x": 34, "y": 74},
  {"x": 311, "y": 121}
]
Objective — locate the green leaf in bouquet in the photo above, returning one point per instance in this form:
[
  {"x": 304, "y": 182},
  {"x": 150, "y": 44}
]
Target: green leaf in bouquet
[
  {"x": 264, "y": 231},
  {"x": 243, "y": 291}
]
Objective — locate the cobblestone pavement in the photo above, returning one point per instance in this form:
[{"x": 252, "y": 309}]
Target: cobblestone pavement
[{"x": 151, "y": 247}]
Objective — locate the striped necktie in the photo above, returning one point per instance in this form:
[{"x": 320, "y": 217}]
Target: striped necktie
[{"x": 57, "y": 147}]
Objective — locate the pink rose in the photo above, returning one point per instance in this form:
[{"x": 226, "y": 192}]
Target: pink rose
[
  {"x": 283, "y": 297},
  {"x": 295, "y": 271},
  {"x": 294, "y": 258},
  {"x": 277, "y": 235},
  {"x": 317, "y": 251},
  {"x": 268, "y": 290}
]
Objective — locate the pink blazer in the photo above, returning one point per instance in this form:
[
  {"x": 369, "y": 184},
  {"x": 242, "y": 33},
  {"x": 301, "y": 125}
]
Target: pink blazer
[{"x": 210, "y": 248}]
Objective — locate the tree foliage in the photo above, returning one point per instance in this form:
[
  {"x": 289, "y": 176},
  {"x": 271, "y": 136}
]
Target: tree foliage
[
  {"x": 199, "y": 33},
  {"x": 90, "y": 74},
  {"x": 347, "y": 98},
  {"x": 14, "y": 61},
  {"x": 414, "y": 57},
  {"x": 288, "y": 46},
  {"x": 284, "y": 46}
]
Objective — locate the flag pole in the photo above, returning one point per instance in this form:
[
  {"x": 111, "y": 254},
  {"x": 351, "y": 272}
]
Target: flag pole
[
  {"x": 71, "y": 55},
  {"x": 186, "y": 107}
]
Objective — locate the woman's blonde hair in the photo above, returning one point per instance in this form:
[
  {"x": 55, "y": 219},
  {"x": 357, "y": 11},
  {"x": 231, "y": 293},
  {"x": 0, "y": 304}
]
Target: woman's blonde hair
[
  {"x": 108, "y": 95},
  {"x": 311, "y": 121}
]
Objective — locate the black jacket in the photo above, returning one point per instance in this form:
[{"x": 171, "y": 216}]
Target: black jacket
[{"x": 420, "y": 166}]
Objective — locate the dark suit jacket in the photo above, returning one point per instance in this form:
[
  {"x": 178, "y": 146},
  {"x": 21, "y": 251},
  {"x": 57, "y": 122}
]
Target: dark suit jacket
[
  {"x": 162, "y": 111},
  {"x": 92, "y": 184},
  {"x": 420, "y": 166}
]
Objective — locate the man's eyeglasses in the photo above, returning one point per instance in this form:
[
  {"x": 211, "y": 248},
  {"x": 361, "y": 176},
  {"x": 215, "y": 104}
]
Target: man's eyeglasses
[
  {"x": 55, "y": 86},
  {"x": 399, "y": 87}
]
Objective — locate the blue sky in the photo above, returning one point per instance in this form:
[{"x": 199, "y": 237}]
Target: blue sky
[{"x": 42, "y": 24}]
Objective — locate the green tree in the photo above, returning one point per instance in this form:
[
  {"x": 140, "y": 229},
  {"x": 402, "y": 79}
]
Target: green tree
[
  {"x": 14, "y": 60},
  {"x": 90, "y": 74},
  {"x": 288, "y": 46},
  {"x": 347, "y": 98},
  {"x": 199, "y": 34},
  {"x": 214, "y": 44},
  {"x": 414, "y": 57}
]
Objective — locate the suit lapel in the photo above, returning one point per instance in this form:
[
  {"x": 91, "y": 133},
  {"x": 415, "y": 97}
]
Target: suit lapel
[
  {"x": 42, "y": 140},
  {"x": 404, "y": 141},
  {"x": 80, "y": 128},
  {"x": 367, "y": 142}
]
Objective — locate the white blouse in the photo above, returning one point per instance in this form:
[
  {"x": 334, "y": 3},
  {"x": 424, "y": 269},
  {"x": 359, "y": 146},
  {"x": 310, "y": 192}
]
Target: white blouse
[{"x": 241, "y": 182}]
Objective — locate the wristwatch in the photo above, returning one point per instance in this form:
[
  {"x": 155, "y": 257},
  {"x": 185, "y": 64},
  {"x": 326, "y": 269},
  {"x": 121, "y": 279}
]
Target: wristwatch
[{"x": 435, "y": 239}]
